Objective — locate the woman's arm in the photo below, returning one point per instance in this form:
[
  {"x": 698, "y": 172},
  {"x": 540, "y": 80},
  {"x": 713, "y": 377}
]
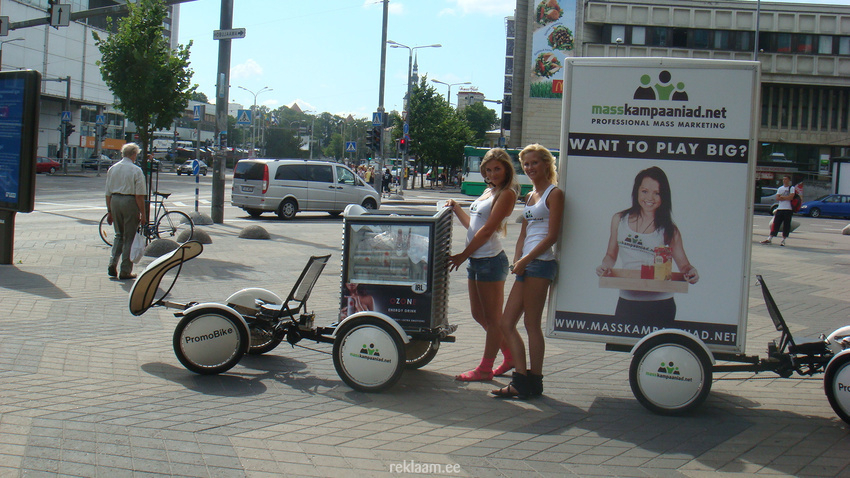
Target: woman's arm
[
  {"x": 613, "y": 249},
  {"x": 555, "y": 203},
  {"x": 501, "y": 209},
  {"x": 685, "y": 267},
  {"x": 458, "y": 211}
]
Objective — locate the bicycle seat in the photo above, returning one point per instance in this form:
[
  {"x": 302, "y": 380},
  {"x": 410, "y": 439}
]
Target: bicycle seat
[
  {"x": 144, "y": 288},
  {"x": 163, "y": 195}
]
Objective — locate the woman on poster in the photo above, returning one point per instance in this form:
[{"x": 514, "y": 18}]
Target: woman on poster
[
  {"x": 355, "y": 299},
  {"x": 488, "y": 264},
  {"x": 636, "y": 232},
  {"x": 535, "y": 268}
]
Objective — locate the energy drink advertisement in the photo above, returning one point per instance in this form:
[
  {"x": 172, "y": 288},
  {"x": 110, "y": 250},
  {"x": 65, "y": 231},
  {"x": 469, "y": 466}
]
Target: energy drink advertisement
[{"x": 657, "y": 165}]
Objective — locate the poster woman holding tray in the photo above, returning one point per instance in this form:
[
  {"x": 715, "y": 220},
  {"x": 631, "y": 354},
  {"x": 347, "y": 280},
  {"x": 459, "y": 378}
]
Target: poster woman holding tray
[
  {"x": 488, "y": 263},
  {"x": 636, "y": 232}
]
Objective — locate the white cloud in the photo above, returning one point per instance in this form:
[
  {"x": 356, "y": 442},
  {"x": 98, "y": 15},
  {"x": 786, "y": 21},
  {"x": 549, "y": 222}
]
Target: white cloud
[
  {"x": 485, "y": 7},
  {"x": 249, "y": 69}
]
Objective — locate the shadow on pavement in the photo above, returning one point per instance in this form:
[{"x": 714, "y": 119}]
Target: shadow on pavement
[{"x": 15, "y": 279}]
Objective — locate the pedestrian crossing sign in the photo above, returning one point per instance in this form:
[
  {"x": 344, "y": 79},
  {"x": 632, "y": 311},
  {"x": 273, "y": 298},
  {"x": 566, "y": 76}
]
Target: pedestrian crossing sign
[{"x": 243, "y": 117}]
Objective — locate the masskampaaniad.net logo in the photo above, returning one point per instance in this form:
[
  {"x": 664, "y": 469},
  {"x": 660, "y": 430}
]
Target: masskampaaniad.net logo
[{"x": 653, "y": 89}]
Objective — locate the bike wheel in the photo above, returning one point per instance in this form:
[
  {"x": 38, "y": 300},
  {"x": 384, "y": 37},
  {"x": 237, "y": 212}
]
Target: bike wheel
[
  {"x": 171, "y": 224},
  {"x": 107, "y": 232}
]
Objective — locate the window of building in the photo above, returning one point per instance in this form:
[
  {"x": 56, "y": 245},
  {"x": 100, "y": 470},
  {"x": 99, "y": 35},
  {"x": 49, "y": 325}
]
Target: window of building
[
  {"x": 825, "y": 45},
  {"x": 805, "y": 43},
  {"x": 658, "y": 36},
  {"x": 783, "y": 43},
  {"x": 722, "y": 40},
  {"x": 618, "y": 31},
  {"x": 744, "y": 41},
  {"x": 638, "y": 36},
  {"x": 680, "y": 38},
  {"x": 844, "y": 46},
  {"x": 701, "y": 39}
]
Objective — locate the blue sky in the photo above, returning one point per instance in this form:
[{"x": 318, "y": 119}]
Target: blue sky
[{"x": 325, "y": 55}]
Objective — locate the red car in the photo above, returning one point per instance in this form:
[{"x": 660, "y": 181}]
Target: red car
[{"x": 46, "y": 165}]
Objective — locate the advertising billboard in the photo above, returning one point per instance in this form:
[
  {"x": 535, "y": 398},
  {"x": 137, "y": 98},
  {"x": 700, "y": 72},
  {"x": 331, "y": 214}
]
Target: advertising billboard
[
  {"x": 657, "y": 166},
  {"x": 19, "y": 104},
  {"x": 552, "y": 42}
]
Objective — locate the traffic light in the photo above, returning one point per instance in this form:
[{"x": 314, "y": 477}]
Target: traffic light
[
  {"x": 101, "y": 131},
  {"x": 69, "y": 129},
  {"x": 369, "y": 143},
  {"x": 51, "y": 5},
  {"x": 402, "y": 145},
  {"x": 376, "y": 137}
]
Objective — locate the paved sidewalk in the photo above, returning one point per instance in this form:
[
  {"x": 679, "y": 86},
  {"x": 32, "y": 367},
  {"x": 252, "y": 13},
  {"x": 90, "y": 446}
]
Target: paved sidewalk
[{"x": 86, "y": 389}]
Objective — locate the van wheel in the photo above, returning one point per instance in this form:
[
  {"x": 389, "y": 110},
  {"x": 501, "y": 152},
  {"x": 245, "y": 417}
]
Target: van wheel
[
  {"x": 287, "y": 209},
  {"x": 335, "y": 213},
  {"x": 370, "y": 204},
  {"x": 254, "y": 212}
]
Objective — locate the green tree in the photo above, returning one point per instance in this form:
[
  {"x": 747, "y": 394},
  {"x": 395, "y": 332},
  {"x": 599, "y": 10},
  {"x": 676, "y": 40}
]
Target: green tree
[
  {"x": 481, "y": 119},
  {"x": 438, "y": 133},
  {"x": 198, "y": 96},
  {"x": 283, "y": 142},
  {"x": 150, "y": 81}
]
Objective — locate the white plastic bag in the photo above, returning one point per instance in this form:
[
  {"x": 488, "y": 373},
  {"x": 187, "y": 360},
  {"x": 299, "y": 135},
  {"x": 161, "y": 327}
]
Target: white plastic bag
[{"x": 137, "y": 250}]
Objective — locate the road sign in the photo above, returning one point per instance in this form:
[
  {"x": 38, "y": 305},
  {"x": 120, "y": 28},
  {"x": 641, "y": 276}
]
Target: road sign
[
  {"x": 350, "y": 147},
  {"x": 61, "y": 15},
  {"x": 66, "y": 116},
  {"x": 377, "y": 119},
  {"x": 406, "y": 128},
  {"x": 99, "y": 119},
  {"x": 229, "y": 34},
  {"x": 4, "y": 26},
  {"x": 243, "y": 117},
  {"x": 199, "y": 111},
  {"x": 196, "y": 167}
]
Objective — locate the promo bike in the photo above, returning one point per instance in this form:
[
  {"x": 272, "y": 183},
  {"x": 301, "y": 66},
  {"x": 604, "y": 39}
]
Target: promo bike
[{"x": 164, "y": 225}]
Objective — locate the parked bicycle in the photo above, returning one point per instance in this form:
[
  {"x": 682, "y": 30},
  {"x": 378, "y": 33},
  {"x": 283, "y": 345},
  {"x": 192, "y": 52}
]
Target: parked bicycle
[{"x": 165, "y": 224}]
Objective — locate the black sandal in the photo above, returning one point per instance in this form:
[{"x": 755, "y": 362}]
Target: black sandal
[
  {"x": 535, "y": 383},
  {"x": 519, "y": 388}
]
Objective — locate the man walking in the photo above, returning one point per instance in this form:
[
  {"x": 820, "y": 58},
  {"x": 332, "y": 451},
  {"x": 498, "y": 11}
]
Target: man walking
[
  {"x": 125, "y": 205},
  {"x": 782, "y": 216}
]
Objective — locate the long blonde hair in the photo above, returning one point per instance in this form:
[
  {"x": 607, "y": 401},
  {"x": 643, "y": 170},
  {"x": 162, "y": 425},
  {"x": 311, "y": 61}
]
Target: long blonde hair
[
  {"x": 545, "y": 156},
  {"x": 502, "y": 156}
]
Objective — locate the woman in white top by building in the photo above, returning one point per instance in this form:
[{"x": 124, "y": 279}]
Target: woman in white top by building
[
  {"x": 488, "y": 263},
  {"x": 535, "y": 268}
]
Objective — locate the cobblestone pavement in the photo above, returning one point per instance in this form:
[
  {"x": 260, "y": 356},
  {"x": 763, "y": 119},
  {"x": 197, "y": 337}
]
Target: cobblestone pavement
[{"x": 87, "y": 389}]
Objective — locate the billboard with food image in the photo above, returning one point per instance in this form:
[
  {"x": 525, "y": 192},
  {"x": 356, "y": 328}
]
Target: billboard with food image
[{"x": 552, "y": 41}]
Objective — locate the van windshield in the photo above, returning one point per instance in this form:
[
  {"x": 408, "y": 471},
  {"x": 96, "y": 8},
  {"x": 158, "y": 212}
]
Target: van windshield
[{"x": 249, "y": 170}]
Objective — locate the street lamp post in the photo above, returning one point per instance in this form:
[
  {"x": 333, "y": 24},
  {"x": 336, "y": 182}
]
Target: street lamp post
[
  {"x": 1, "y": 48},
  {"x": 406, "y": 154},
  {"x": 254, "y": 116},
  {"x": 449, "y": 94}
]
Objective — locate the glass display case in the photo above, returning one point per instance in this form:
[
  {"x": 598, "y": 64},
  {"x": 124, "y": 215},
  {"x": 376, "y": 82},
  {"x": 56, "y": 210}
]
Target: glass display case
[{"x": 397, "y": 265}]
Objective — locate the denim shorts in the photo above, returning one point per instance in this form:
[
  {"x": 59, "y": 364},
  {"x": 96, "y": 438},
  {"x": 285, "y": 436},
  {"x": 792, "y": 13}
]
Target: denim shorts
[
  {"x": 488, "y": 269},
  {"x": 541, "y": 269}
]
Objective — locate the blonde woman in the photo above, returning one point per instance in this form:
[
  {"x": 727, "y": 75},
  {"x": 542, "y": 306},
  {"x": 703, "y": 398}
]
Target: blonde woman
[
  {"x": 488, "y": 264},
  {"x": 535, "y": 268}
]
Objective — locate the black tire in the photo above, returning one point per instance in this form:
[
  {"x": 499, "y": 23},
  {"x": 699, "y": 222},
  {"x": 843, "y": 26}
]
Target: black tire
[
  {"x": 52, "y": 170},
  {"x": 836, "y": 385},
  {"x": 107, "y": 232},
  {"x": 262, "y": 338},
  {"x": 171, "y": 224},
  {"x": 210, "y": 341},
  {"x": 369, "y": 204},
  {"x": 287, "y": 209},
  {"x": 178, "y": 172},
  {"x": 368, "y": 354},
  {"x": 653, "y": 388},
  {"x": 204, "y": 171},
  {"x": 255, "y": 213},
  {"x": 419, "y": 353},
  {"x": 335, "y": 213},
  {"x": 773, "y": 209},
  {"x": 814, "y": 212}
]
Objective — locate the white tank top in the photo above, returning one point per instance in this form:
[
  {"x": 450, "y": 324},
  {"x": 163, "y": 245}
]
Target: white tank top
[
  {"x": 635, "y": 249},
  {"x": 479, "y": 212},
  {"x": 537, "y": 219}
]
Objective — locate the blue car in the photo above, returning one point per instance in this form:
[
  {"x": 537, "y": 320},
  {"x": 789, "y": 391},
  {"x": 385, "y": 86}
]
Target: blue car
[{"x": 836, "y": 205}]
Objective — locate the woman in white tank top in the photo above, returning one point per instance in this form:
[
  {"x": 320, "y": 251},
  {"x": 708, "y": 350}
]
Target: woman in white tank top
[
  {"x": 488, "y": 263},
  {"x": 535, "y": 268}
]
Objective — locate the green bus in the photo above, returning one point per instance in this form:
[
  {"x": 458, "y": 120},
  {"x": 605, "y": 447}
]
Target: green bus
[{"x": 473, "y": 182}]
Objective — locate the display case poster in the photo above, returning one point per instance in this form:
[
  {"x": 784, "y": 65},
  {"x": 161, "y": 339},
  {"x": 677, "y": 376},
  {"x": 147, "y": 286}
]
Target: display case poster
[
  {"x": 552, "y": 41},
  {"x": 658, "y": 178},
  {"x": 11, "y": 117},
  {"x": 386, "y": 270}
]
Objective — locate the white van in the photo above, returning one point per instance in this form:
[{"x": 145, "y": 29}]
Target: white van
[{"x": 286, "y": 186}]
